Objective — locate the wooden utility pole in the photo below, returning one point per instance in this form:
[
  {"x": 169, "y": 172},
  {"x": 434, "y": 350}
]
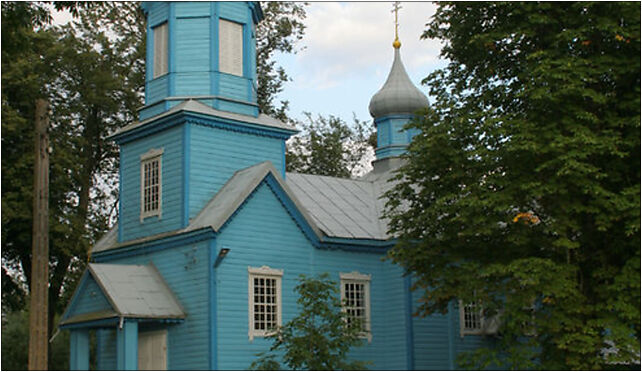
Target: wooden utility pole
[{"x": 38, "y": 310}]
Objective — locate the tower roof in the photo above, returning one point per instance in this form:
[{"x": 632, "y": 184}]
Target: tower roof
[{"x": 398, "y": 95}]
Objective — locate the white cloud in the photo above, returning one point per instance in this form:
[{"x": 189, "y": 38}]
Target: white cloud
[{"x": 353, "y": 40}]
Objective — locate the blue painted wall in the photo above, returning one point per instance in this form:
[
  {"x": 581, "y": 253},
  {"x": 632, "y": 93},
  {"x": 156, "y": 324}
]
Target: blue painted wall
[
  {"x": 171, "y": 142},
  {"x": 437, "y": 339},
  {"x": 106, "y": 357},
  {"x": 263, "y": 234},
  {"x": 185, "y": 270},
  {"x": 193, "y": 56},
  {"x": 392, "y": 138},
  {"x": 215, "y": 154},
  {"x": 90, "y": 299}
]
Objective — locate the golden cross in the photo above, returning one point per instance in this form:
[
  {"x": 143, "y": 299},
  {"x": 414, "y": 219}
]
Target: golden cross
[{"x": 395, "y": 9}]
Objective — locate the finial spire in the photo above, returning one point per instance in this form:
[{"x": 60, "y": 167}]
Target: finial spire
[{"x": 395, "y": 9}]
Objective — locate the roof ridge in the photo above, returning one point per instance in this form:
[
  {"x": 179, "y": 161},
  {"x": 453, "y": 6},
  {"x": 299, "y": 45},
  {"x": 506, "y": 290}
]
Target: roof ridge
[{"x": 333, "y": 177}]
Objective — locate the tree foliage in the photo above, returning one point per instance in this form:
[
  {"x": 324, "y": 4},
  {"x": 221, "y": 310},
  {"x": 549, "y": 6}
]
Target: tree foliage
[
  {"x": 92, "y": 74},
  {"x": 15, "y": 344},
  {"x": 319, "y": 337},
  {"x": 93, "y": 87},
  {"x": 330, "y": 147},
  {"x": 523, "y": 189},
  {"x": 280, "y": 30}
]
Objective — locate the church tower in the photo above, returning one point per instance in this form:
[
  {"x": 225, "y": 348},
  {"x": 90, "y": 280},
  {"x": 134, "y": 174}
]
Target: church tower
[
  {"x": 200, "y": 122},
  {"x": 201, "y": 50},
  {"x": 392, "y": 107}
]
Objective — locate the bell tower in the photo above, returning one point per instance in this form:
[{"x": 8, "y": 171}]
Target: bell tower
[
  {"x": 200, "y": 123},
  {"x": 201, "y": 51}
]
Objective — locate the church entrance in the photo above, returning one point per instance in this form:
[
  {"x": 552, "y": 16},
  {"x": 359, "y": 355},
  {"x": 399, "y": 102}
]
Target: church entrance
[{"x": 152, "y": 350}]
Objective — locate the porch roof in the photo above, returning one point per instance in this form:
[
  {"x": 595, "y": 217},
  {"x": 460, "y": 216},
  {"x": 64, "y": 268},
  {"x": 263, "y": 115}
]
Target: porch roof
[{"x": 133, "y": 291}]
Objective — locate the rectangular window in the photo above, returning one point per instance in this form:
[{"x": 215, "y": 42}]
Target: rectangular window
[
  {"x": 473, "y": 322},
  {"x": 151, "y": 183},
  {"x": 264, "y": 300},
  {"x": 230, "y": 53},
  {"x": 472, "y": 318},
  {"x": 355, "y": 297},
  {"x": 160, "y": 50}
]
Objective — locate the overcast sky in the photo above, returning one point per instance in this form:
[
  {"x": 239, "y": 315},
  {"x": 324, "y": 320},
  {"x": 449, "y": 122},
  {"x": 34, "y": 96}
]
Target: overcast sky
[{"x": 347, "y": 54}]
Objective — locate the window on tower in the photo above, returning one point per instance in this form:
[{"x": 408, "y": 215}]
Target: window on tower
[
  {"x": 151, "y": 188},
  {"x": 160, "y": 50},
  {"x": 230, "y": 43}
]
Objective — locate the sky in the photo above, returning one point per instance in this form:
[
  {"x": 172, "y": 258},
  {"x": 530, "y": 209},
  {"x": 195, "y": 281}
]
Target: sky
[{"x": 346, "y": 54}]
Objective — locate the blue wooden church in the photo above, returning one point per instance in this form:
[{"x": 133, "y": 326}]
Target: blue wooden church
[{"x": 213, "y": 233}]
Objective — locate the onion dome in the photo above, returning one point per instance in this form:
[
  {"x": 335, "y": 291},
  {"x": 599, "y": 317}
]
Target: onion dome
[{"x": 398, "y": 95}]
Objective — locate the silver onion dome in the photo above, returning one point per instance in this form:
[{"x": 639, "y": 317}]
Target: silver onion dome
[{"x": 398, "y": 95}]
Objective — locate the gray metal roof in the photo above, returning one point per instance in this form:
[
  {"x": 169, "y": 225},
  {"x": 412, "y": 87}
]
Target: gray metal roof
[
  {"x": 230, "y": 197},
  {"x": 341, "y": 208},
  {"x": 333, "y": 207},
  {"x": 106, "y": 241},
  {"x": 195, "y": 106},
  {"x": 137, "y": 291},
  {"x": 398, "y": 94},
  {"x": 134, "y": 291}
]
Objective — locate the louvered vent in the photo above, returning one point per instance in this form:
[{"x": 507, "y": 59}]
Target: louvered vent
[
  {"x": 231, "y": 47},
  {"x": 160, "y": 50}
]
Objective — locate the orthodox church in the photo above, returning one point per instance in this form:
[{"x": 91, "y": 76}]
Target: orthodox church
[{"x": 213, "y": 233}]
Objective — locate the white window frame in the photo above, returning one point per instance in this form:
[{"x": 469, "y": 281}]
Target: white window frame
[
  {"x": 364, "y": 279},
  {"x": 161, "y": 50},
  {"x": 463, "y": 330},
  {"x": 267, "y": 273},
  {"x": 146, "y": 158},
  {"x": 487, "y": 325},
  {"x": 230, "y": 40}
]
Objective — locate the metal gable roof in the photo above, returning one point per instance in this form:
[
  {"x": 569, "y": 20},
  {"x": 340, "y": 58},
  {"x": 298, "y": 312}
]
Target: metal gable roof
[
  {"x": 333, "y": 207},
  {"x": 342, "y": 208},
  {"x": 134, "y": 291},
  {"x": 230, "y": 197}
]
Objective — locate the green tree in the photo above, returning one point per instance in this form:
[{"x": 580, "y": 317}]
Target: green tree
[
  {"x": 279, "y": 31},
  {"x": 15, "y": 344},
  {"x": 92, "y": 73},
  {"x": 522, "y": 191},
  {"x": 319, "y": 337},
  {"x": 329, "y": 147},
  {"x": 85, "y": 78}
]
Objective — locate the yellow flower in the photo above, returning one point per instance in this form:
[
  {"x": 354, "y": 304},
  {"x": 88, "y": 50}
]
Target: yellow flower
[
  {"x": 527, "y": 217},
  {"x": 619, "y": 37}
]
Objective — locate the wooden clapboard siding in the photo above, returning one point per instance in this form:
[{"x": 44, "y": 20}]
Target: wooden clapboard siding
[
  {"x": 193, "y": 54},
  {"x": 215, "y": 154},
  {"x": 158, "y": 13},
  {"x": 233, "y": 86},
  {"x": 192, "y": 9},
  {"x": 234, "y": 11},
  {"x": 192, "y": 84},
  {"x": 185, "y": 270},
  {"x": 106, "y": 357},
  {"x": 90, "y": 299},
  {"x": 171, "y": 142},
  {"x": 193, "y": 44},
  {"x": 157, "y": 89},
  {"x": 264, "y": 234}
]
